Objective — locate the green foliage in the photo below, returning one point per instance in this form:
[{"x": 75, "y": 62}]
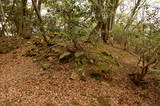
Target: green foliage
[{"x": 68, "y": 13}]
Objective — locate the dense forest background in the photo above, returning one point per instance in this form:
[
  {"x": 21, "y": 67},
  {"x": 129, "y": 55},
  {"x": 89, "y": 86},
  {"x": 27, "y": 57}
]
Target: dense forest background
[{"x": 96, "y": 38}]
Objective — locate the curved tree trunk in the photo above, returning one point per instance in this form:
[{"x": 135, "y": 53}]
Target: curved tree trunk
[
  {"x": 41, "y": 21},
  {"x": 134, "y": 11}
]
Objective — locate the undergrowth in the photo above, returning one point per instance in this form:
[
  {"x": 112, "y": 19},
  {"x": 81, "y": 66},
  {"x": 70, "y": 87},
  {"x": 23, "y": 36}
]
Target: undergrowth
[{"x": 80, "y": 55}]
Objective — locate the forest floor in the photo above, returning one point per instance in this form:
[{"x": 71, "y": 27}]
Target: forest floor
[{"x": 23, "y": 83}]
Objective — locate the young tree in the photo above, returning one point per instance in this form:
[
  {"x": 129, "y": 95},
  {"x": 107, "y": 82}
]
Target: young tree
[
  {"x": 105, "y": 11},
  {"x": 133, "y": 13},
  {"x": 149, "y": 46},
  {"x": 41, "y": 21}
]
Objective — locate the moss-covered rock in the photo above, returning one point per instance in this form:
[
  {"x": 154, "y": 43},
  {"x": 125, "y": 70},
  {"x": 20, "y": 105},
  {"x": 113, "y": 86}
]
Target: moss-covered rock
[
  {"x": 45, "y": 66},
  {"x": 74, "y": 76}
]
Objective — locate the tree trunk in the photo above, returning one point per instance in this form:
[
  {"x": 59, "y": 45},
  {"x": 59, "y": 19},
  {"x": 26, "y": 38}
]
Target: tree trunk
[
  {"x": 21, "y": 25},
  {"x": 24, "y": 6},
  {"x": 41, "y": 21},
  {"x": 39, "y": 6},
  {"x": 110, "y": 19},
  {"x": 134, "y": 11},
  {"x": 37, "y": 11},
  {"x": 4, "y": 28},
  {"x": 105, "y": 23},
  {"x": 97, "y": 28},
  {"x": 104, "y": 32}
]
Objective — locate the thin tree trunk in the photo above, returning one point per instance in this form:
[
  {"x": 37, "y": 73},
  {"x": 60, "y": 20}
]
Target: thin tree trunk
[
  {"x": 24, "y": 7},
  {"x": 21, "y": 23},
  {"x": 41, "y": 21},
  {"x": 4, "y": 28},
  {"x": 105, "y": 24},
  {"x": 134, "y": 10},
  {"x": 98, "y": 16},
  {"x": 39, "y": 6},
  {"x": 111, "y": 17},
  {"x": 37, "y": 11},
  {"x": 130, "y": 20},
  {"x": 104, "y": 32},
  {"x": 96, "y": 28}
]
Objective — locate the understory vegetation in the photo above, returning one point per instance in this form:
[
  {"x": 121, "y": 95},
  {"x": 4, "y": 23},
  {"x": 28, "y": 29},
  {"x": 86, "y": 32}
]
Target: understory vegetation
[{"x": 100, "y": 39}]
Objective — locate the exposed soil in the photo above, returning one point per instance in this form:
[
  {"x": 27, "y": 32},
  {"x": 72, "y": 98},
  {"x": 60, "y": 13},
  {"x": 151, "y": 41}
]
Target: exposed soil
[{"x": 23, "y": 83}]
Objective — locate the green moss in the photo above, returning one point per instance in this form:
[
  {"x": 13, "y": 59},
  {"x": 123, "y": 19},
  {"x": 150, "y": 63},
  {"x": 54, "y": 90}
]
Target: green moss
[
  {"x": 45, "y": 66},
  {"x": 5, "y": 50},
  {"x": 74, "y": 76},
  {"x": 102, "y": 101},
  {"x": 6, "y": 103},
  {"x": 74, "y": 102}
]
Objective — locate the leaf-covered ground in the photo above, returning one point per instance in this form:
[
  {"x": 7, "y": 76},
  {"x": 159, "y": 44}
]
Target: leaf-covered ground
[
  {"x": 24, "y": 83},
  {"x": 8, "y": 44}
]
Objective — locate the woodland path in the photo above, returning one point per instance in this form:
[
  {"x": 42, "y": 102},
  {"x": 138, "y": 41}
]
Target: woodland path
[{"x": 22, "y": 83}]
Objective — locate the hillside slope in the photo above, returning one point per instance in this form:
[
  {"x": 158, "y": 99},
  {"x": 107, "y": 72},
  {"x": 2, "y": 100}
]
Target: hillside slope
[{"x": 23, "y": 83}]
